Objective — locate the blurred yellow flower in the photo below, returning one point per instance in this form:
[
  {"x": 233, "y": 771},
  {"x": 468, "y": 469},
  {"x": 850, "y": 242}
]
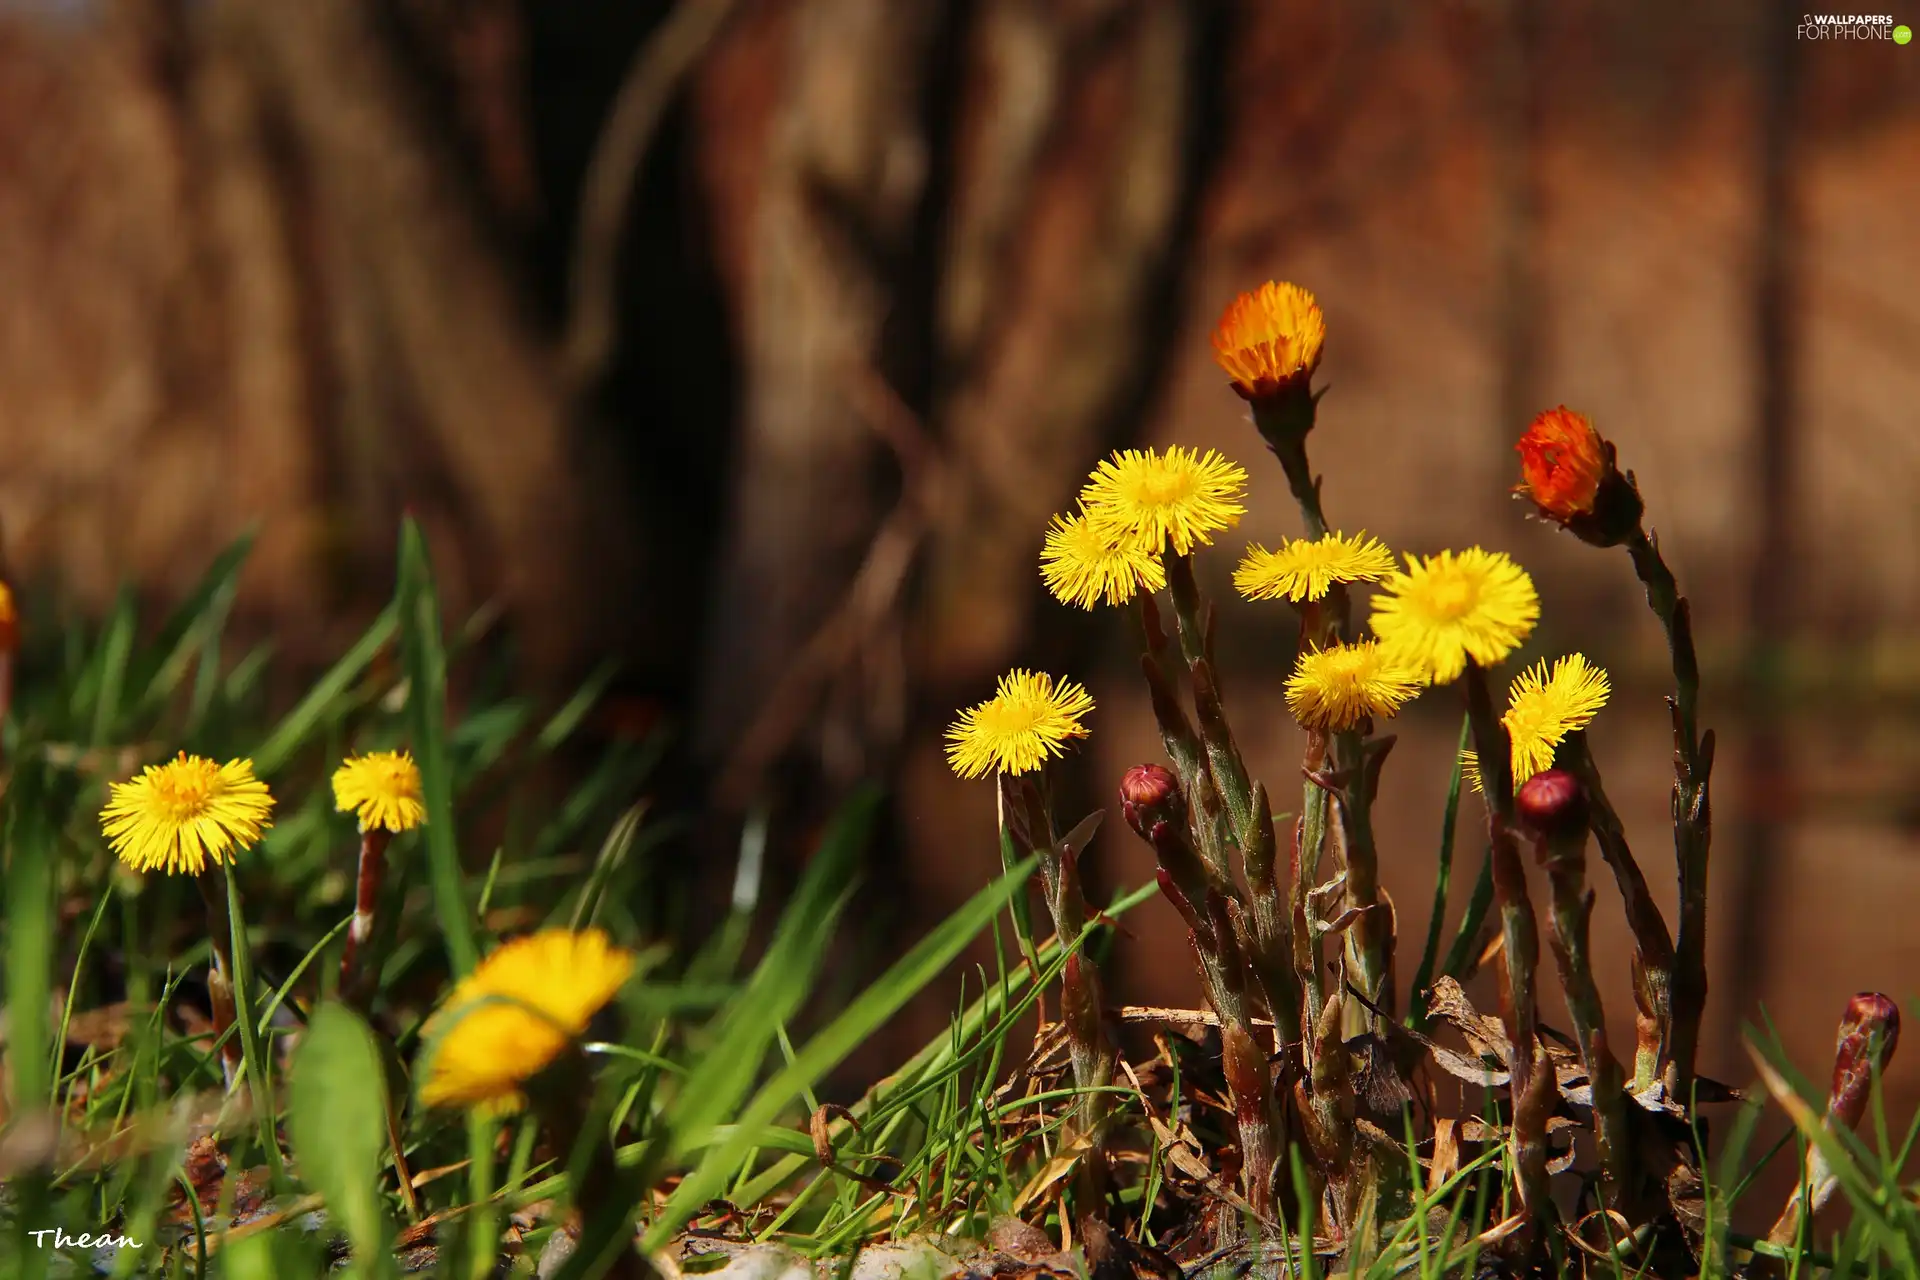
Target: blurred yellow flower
[
  {"x": 1270, "y": 338},
  {"x": 1454, "y": 606},
  {"x": 383, "y": 788},
  {"x": 1544, "y": 707},
  {"x": 519, "y": 1009},
  {"x": 1028, "y": 719},
  {"x": 178, "y": 816},
  {"x": 1307, "y": 568},
  {"x": 1083, "y": 566},
  {"x": 1180, "y": 497},
  {"x": 1337, "y": 687}
]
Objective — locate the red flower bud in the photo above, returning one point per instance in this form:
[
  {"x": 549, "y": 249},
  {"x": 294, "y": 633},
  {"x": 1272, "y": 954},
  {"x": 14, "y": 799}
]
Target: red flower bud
[
  {"x": 1552, "y": 804},
  {"x": 1149, "y": 797},
  {"x": 1868, "y": 1034},
  {"x": 1568, "y": 470}
]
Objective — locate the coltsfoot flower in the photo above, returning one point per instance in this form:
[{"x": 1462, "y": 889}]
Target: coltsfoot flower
[
  {"x": 1445, "y": 609},
  {"x": 1085, "y": 566},
  {"x": 382, "y": 788},
  {"x": 1567, "y": 469},
  {"x": 1029, "y": 719},
  {"x": 178, "y": 816},
  {"x": 1270, "y": 339},
  {"x": 1307, "y": 568},
  {"x": 1179, "y": 498},
  {"x": 1335, "y": 688},
  {"x": 518, "y": 1011},
  {"x": 1544, "y": 706}
]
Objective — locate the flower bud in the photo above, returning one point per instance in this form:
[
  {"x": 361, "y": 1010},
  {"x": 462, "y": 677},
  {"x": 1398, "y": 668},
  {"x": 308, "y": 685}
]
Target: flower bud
[
  {"x": 1868, "y": 1033},
  {"x": 1568, "y": 470},
  {"x": 1552, "y": 805},
  {"x": 1150, "y": 798}
]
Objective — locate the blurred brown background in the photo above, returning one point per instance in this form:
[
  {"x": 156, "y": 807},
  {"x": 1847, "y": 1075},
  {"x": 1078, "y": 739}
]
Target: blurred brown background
[{"x": 753, "y": 342}]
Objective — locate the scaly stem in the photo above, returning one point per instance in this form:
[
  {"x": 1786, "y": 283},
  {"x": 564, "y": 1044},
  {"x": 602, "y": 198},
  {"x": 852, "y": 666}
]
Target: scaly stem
[
  {"x": 355, "y": 985},
  {"x": 1272, "y": 921},
  {"x": 1521, "y": 935},
  {"x": 1572, "y": 911},
  {"x": 1692, "y": 814},
  {"x": 1369, "y": 940},
  {"x": 1652, "y": 943},
  {"x": 1223, "y": 756}
]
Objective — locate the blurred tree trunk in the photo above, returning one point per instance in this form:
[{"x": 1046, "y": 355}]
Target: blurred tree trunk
[
  {"x": 953, "y": 265},
  {"x": 262, "y": 289}
]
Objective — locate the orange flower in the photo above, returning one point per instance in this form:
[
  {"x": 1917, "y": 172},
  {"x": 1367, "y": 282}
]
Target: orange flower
[
  {"x": 1270, "y": 339},
  {"x": 1562, "y": 462}
]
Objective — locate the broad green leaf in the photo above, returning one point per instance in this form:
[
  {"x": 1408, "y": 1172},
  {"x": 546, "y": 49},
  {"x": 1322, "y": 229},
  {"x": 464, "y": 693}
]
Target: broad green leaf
[{"x": 336, "y": 1119}]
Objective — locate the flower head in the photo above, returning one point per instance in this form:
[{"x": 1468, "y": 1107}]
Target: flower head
[
  {"x": 1150, "y": 798},
  {"x": 1085, "y": 566},
  {"x": 383, "y": 788},
  {"x": 1562, "y": 460},
  {"x": 178, "y": 816},
  {"x": 1270, "y": 339},
  {"x": 518, "y": 1010},
  {"x": 1552, "y": 804},
  {"x": 1454, "y": 606},
  {"x": 1544, "y": 707},
  {"x": 1307, "y": 568},
  {"x": 1028, "y": 719},
  {"x": 1337, "y": 687},
  {"x": 1180, "y": 497},
  {"x": 1567, "y": 468}
]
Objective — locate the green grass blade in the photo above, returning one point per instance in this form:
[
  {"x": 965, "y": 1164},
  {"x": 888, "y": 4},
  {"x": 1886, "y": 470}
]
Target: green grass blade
[
  {"x": 196, "y": 623},
  {"x": 116, "y": 649},
  {"x": 1442, "y": 878},
  {"x": 423, "y": 646},
  {"x": 31, "y": 837},
  {"x": 865, "y": 1015},
  {"x": 299, "y": 725}
]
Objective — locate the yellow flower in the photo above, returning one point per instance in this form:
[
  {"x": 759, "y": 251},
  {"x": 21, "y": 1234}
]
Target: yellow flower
[
  {"x": 1180, "y": 497},
  {"x": 9, "y": 621},
  {"x": 1306, "y": 569},
  {"x": 1336, "y": 688},
  {"x": 1083, "y": 566},
  {"x": 519, "y": 1009},
  {"x": 383, "y": 788},
  {"x": 1543, "y": 708},
  {"x": 1028, "y": 719},
  {"x": 1454, "y": 606},
  {"x": 177, "y": 816},
  {"x": 1269, "y": 339}
]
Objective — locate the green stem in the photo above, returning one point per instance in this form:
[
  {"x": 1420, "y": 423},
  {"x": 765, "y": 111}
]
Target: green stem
[
  {"x": 1692, "y": 813},
  {"x": 1442, "y": 882}
]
